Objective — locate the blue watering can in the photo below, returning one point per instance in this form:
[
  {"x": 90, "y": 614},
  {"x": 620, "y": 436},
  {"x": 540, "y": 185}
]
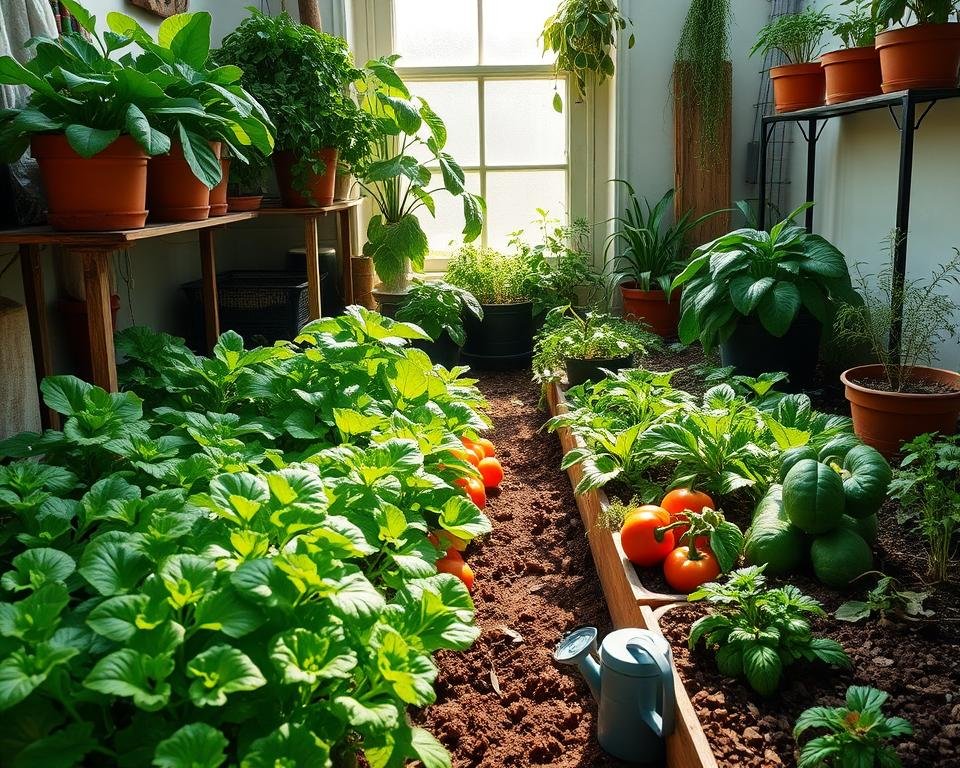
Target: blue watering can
[{"x": 633, "y": 684}]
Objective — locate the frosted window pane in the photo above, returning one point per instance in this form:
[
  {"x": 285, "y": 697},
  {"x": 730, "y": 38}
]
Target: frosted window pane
[
  {"x": 434, "y": 33},
  {"x": 456, "y": 104},
  {"x": 522, "y": 127},
  {"x": 447, "y": 227},
  {"x": 513, "y": 199},
  {"x": 511, "y": 30}
]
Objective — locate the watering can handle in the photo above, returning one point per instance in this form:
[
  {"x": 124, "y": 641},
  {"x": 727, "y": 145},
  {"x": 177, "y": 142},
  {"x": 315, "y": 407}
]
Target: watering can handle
[{"x": 666, "y": 681}]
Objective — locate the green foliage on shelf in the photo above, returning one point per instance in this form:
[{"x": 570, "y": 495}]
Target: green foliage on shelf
[
  {"x": 888, "y": 12},
  {"x": 798, "y": 36},
  {"x": 857, "y": 27}
]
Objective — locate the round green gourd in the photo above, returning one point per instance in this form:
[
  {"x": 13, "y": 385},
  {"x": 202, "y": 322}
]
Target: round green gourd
[
  {"x": 839, "y": 557},
  {"x": 865, "y": 526},
  {"x": 866, "y": 477},
  {"x": 837, "y": 448},
  {"x": 792, "y": 456},
  {"x": 772, "y": 539},
  {"x": 813, "y": 497}
]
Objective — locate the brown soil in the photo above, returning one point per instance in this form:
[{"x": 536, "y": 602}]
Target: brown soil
[
  {"x": 909, "y": 388},
  {"x": 535, "y": 582}
]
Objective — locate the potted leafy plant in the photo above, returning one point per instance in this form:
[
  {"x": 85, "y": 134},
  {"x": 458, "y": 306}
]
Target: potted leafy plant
[
  {"x": 651, "y": 253},
  {"x": 245, "y": 184},
  {"x": 585, "y": 345},
  {"x": 762, "y": 297},
  {"x": 901, "y": 397},
  {"x": 798, "y": 84},
  {"x": 503, "y": 339},
  {"x": 583, "y": 33},
  {"x": 853, "y": 72},
  {"x": 439, "y": 308},
  {"x": 398, "y": 182},
  {"x": 302, "y": 77},
  {"x": 925, "y": 54}
]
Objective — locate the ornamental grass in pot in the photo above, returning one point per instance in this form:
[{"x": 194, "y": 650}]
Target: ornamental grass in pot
[
  {"x": 901, "y": 396},
  {"x": 586, "y": 345},
  {"x": 853, "y": 72},
  {"x": 439, "y": 308},
  {"x": 924, "y": 54},
  {"x": 651, "y": 253},
  {"x": 799, "y": 83},
  {"x": 763, "y": 297},
  {"x": 503, "y": 338}
]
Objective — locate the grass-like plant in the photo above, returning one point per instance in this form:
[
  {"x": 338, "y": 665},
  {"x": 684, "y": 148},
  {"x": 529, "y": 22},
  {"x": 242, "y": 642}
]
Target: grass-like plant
[
  {"x": 491, "y": 276},
  {"x": 798, "y": 36},
  {"x": 856, "y": 27}
]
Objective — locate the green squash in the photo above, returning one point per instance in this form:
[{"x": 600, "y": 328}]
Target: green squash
[
  {"x": 837, "y": 448},
  {"x": 866, "y": 477},
  {"x": 813, "y": 497},
  {"x": 794, "y": 455},
  {"x": 839, "y": 557},
  {"x": 867, "y": 527},
  {"x": 772, "y": 539}
]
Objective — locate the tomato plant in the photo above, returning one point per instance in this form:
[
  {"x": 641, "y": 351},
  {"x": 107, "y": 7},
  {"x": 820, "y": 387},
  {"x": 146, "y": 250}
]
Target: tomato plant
[
  {"x": 474, "y": 489},
  {"x": 687, "y": 568},
  {"x": 638, "y": 535},
  {"x": 491, "y": 472},
  {"x": 681, "y": 500}
]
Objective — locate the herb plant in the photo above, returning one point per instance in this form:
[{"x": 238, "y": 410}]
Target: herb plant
[
  {"x": 797, "y": 36},
  {"x": 889, "y": 12},
  {"x": 583, "y": 34},
  {"x": 491, "y": 276},
  {"x": 856, "y": 27},
  {"x": 888, "y": 601},
  {"x": 928, "y": 486},
  {"x": 438, "y": 308},
  {"x": 856, "y": 734},
  {"x": 757, "y": 633},
  {"x": 767, "y": 275}
]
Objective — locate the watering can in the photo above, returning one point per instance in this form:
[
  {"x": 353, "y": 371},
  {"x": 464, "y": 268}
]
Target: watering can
[{"x": 631, "y": 677}]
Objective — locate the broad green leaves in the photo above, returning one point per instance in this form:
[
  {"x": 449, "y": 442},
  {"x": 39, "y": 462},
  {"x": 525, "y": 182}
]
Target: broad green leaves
[
  {"x": 131, "y": 674},
  {"x": 305, "y": 657},
  {"x": 221, "y": 670},
  {"x": 197, "y": 745}
]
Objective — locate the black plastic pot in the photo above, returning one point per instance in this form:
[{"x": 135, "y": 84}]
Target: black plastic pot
[
  {"x": 444, "y": 351},
  {"x": 752, "y": 350},
  {"x": 503, "y": 340},
  {"x": 579, "y": 371}
]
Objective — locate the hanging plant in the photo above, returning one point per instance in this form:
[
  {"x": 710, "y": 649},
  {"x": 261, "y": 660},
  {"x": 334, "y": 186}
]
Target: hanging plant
[
  {"x": 583, "y": 33},
  {"x": 701, "y": 60}
]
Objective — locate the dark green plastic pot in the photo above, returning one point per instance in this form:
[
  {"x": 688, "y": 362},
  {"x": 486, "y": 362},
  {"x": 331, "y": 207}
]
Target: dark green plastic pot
[
  {"x": 753, "y": 350},
  {"x": 444, "y": 351},
  {"x": 503, "y": 340},
  {"x": 579, "y": 371}
]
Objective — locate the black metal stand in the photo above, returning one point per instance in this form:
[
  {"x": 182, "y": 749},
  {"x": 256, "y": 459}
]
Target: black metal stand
[{"x": 907, "y": 124}]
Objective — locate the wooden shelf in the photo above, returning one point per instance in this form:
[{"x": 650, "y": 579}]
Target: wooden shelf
[{"x": 336, "y": 207}]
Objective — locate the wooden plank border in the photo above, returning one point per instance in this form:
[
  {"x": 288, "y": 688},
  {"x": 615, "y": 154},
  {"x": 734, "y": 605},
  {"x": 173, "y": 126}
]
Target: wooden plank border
[{"x": 630, "y": 603}]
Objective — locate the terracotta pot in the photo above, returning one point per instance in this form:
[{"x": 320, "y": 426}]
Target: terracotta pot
[
  {"x": 922, "y": 56},
  {"x": 852, "y": 73},
  {"x": 797, "y": 86},
  {"x": 886, "y": 419},
  {"x": 319, "y": 186},
  {"x": 244, "y": 203},
  {"x": 105, "y": 192},
  {"x": 173, "y": 192},
  {"x": 652, "y": 308},
  {"x": 363, "y": 278},
  {"x": 218, "y": 195}
]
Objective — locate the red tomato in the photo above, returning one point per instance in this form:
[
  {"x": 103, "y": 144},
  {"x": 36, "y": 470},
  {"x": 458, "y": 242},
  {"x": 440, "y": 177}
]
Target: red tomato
[
  {"x": 487, "y": 446},
  {"x": 473, "y": 487},
  {"x": 474, "y": 456},
  {"x": 637, "y": 539},
  {"x": 682, "y": 500},
  {"x": 458, "y": 568},
  {"x": 461, "y": 453},
  {"x": 684, "y": 574},
  {"x": 491, "y": 472}
]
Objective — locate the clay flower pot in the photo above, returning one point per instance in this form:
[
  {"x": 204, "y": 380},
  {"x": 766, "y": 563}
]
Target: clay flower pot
[
  {"x": 797, "y": 86},
  {"x": 173, "y": 192},
  {"x": 852, "y": 73},
  {"x": 218, "y": 195},
  {"x": 922, "y": 56},
  {"x": 240, "y": 203},
  {"x": 320, "y": 186},
  {"x": 105, "y": 192},
  {"x": 886, "y": 420},
  {"x": 652, "y": 308}
]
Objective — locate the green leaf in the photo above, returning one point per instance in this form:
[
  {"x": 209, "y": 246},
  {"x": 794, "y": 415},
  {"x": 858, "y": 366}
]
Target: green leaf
[
  {"x": 221, "y": 670},
  {"x": 87, "y": 141},
  {"x": 118, "y": 618},
  {"x": 112, "y": 567},
  {"x": 64, "y": 748},
  {"x": 762, "y": 667},
  {"x": 823, "y": 259},
  {"x": 188, "y": 36},
  {"x": 409, "y": 379},
  {"x": 557, "y": 102},
  {"x": 137, "y": 125},
  {"x": 187, "y": 578},
  {"x": 407, "y": 671},
  {"x": 726, "y": 542},
  {"x": 135, "y": 675},
  {"x": 356, "y": 597},
  {"x": 746, "y": 293},
  {"x": 779, "y": 307},
  {"x": 366, "y": 716},
  {"x": 474, "y": 212},
  {"x": 84, "y": 18},
  {"x": 223, "y": 611},
  {"x": 853, "y": 611},
  {"x": 34, "y": 618},
  {"x": 438, "y": 130},
  {"x": 453, "y": 176},
  {"x": 21, "y": 672},
  {"x": 305, "y": 657},
  {"x": 65, "y": 394},
  {"x": 404, "y": 112},
  {"x": 430, "y": 751},
  {"x": 196, "y": 745},
  {"x": 200, "y": 157},
  {"x": 289, "y": 745},
  {"x": 35, "y": 567},
  {"x": 461, "y": 517}
]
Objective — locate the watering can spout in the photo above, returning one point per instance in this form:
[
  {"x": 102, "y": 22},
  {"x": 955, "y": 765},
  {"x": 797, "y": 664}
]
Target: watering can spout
[
  {"x": 590, "y": 669},
  {"x": 580, "y": 649}
]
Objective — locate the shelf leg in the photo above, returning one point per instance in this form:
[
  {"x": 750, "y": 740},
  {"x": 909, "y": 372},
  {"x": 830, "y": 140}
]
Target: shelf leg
[
  {"x": 907, "y": 127},
  {"x": 345, "y": 226},
  {"x": 811, "y": 170},
  {"x": 313, "y": 265},
  {"x": 211, "y": 305},
  {"x": 31, "y": 268},
  {"x": 762, "y": 177},
  {"x": 96, "y": 281}
]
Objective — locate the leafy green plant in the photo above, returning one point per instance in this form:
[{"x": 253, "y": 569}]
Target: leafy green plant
[
  {"x": 725, "y": 538},
  {"x": 928, "y": 318},
  {"x": 438, "y": 308},
  {"x": 254, "y": 540},
  {"x": 702, "y": 71},
  {"x": 757, "y": 633},
  {"x": 248, "y": 178},
  {"x": 856, "y": 27},
  {"x": 797, "y": 36},
  {"x": 889, "y": 12},
  {"x": 592, "y": 336},
  {"x": 928, "y": 486},
  {"x": 398, "y": 182},
  {"x": 303, "y": 78},
  {"x": 888, "y": 601},
  {"x": 583, "y": 33},
  {"x": 767, "y": 275},
  {"x": 651, "y": 252},
  {"x": 491, "y": 276},
  {"x": 856, "y": 734}
]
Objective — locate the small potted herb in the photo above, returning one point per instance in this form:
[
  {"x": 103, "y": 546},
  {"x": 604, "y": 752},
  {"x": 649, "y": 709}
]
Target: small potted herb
[
  {"x": 651, "y": 254},
  {"x": 503, "y": 339},
  {"x": 586, "y": 345},
  {"x": 921, "y": 54},
  {"x": 245, "y": 185},
  {"x": 798, "y": 84},
  {"x": 901, "y": 396},
  {"x": 439, "y": 308},
  {"x": 853, "y": 72}
]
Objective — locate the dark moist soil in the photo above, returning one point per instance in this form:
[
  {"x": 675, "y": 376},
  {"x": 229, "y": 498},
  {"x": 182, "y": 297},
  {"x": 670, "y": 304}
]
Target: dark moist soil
[{"x": 912, "y": 388}]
